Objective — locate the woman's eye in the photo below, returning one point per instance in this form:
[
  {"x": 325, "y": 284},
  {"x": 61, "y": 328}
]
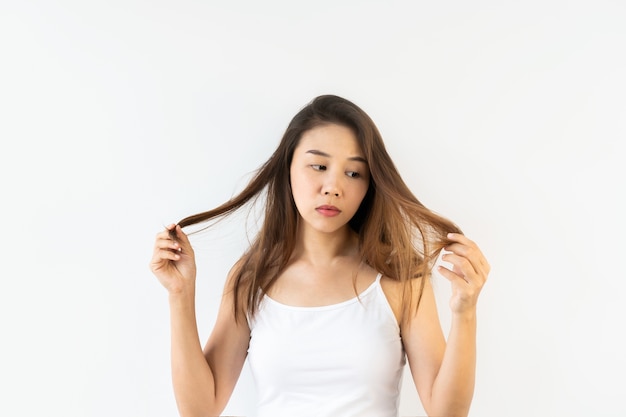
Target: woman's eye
[
  {"x": 318, "y": 167},
  {"x": 353, "y": 174}
]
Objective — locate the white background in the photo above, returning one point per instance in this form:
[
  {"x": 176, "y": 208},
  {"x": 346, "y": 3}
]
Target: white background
[{"x": 117, "y": 117}]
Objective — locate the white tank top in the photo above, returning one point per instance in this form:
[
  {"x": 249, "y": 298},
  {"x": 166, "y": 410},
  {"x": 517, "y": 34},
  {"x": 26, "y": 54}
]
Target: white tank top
[{"x": 339, "y": 360}]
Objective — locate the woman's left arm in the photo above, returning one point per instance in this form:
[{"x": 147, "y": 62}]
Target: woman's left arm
[{"x": 444, "y": 372}]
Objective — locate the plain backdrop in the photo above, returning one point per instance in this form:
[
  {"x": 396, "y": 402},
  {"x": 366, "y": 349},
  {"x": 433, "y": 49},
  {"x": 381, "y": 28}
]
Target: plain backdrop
[{"x": 118, "y": 117}]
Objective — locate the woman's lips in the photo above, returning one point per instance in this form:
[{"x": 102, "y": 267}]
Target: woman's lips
[{"x": 328, "y": 211}]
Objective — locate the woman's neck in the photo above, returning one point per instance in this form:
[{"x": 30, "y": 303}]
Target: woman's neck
[{"x": 323, "y": 248}]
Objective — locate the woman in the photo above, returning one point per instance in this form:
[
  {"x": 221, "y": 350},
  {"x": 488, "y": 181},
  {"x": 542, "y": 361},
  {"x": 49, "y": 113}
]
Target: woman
[{"x": 333, "y": 294}]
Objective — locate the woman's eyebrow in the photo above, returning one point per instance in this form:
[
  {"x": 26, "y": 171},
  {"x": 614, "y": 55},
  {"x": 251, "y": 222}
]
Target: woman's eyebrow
[{"x": 324, "y": 154}]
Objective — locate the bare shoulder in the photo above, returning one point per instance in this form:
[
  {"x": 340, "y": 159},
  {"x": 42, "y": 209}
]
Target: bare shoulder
[
  {"x": 235, "y": 282},
  {"x": 393, "y": 291}
]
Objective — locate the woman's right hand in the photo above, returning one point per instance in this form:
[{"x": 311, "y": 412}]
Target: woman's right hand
[{"x": 173, "y": 260}]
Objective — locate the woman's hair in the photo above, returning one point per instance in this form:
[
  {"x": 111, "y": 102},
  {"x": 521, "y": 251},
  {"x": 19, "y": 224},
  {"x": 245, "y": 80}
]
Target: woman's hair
[{"x": 398, "y": 235}]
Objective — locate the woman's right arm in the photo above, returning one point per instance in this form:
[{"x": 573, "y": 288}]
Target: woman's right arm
[{"x": 203, "y": 380}]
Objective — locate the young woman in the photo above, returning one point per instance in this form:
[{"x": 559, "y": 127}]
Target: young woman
[{"x": 333, "y": 294}]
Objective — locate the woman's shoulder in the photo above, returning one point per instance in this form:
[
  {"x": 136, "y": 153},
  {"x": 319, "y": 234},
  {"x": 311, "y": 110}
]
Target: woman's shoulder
[
  {"x": 394, "y": 291},
  {"x": 392, "y": 288}
]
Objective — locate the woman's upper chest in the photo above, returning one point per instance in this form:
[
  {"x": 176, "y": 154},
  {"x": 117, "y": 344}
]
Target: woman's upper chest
[{"x": 306, "y": 286}]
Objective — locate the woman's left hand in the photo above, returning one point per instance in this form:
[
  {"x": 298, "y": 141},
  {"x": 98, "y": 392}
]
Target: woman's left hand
[{"x": 467, "y": 274}]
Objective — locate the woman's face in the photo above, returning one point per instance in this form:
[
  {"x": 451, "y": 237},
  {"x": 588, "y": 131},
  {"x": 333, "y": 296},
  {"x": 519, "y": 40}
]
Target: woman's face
[{"x": 329, "y": 177}]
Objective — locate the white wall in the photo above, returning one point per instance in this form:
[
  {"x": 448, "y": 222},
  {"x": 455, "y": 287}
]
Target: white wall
[{"x": 117, "y": 117}]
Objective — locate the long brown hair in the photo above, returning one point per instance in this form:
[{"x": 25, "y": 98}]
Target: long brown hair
[{"x": 398, "y": 235}]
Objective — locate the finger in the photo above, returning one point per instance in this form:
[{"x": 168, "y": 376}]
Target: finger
[
  {"x": 167, "y": 244},
  {"x": 467, "y": 269},
  {"x": 469, "y": 249},
  {"x": 180, "y": 237},
  {"x": 172, "y": 232},
  {"x": 452, "y": 276},
  {"x": 167, "y": 232},
  {"x": 464, "y": 282},
  {"x": 456, "y": 251},
  {"x": 165, "y": 255},
  {"x": 178, "y": 232},
  {"x": 461, "y": 238},
  {"x": 461, "y": 266},
  {"x": 463, "y": 293},
  {"x": 464, "y": 240},
  {"x": 462, "y": 245}
]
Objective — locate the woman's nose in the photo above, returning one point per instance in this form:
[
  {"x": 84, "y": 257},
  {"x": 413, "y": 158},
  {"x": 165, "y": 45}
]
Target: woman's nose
[{"x": 331, "y": 187}]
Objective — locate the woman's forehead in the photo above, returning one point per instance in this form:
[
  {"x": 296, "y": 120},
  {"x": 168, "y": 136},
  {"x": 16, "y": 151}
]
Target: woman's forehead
[{"x": 330, "y": 139}]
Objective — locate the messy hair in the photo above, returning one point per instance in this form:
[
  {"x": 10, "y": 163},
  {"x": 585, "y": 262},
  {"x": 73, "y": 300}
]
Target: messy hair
[{"x": 398, "y": 235}]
